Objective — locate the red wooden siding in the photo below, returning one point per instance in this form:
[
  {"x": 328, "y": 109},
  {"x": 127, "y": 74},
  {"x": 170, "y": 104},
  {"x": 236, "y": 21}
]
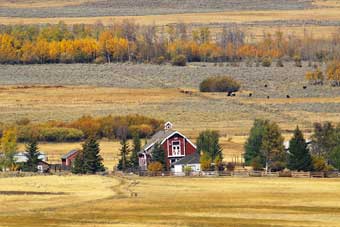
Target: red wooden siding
[{"x": 68, "y": 161}]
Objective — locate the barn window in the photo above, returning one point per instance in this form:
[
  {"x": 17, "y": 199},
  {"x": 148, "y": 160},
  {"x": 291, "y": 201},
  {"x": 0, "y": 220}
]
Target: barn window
[{"x": 176, "y": 148}]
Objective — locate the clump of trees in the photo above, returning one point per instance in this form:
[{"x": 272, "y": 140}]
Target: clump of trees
[
  {"x": 219, "y": 84},
  {"x": 210, "y": 149},
  {"x": 264, "y": 148},
  {"x": 84, "y": 127},
  {"x": 179, "y": 60}
]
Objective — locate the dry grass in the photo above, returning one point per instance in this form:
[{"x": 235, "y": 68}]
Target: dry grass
[
  {"x": 322, "y": 14},
  {"x": 176, "y": 202},
  {"x": 41, "y": 4}
]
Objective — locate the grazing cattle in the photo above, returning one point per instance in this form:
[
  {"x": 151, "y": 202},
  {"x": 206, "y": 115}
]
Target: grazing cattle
[
  {"x": 287, "y": 96},
  {"x": 250, "y": 94},
  {"x": 265, "y": 85},
  {"x": 268, "y": 97},
  {"x": 304, "y": 87}
]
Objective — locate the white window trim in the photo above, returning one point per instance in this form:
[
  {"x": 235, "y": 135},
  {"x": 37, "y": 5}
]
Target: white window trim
[{"x": 179, "y": 148}]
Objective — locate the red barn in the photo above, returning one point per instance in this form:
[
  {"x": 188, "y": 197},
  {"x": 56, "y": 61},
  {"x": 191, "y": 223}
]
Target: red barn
[
  {"x": 67, "y": 159},
  {"x": 175, "y": 144}
]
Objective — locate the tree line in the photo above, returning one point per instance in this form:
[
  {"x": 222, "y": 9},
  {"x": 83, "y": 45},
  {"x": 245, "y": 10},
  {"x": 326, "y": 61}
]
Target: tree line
[
  {"x": 129, "y": 41},
  {"x": 101, "y": 127},
  {"x": 264, "y": 148}
]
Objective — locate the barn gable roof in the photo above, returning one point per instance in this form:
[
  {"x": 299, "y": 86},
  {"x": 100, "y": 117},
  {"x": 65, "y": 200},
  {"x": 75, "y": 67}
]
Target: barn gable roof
[
  {"x": 189, "y": 159},
  {"x": 69, "y": 154},
  {"x": 161, "y": 137}
]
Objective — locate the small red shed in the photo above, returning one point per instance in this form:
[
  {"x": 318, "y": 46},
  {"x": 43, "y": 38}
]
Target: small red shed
[{"x": 67, "y": 159}]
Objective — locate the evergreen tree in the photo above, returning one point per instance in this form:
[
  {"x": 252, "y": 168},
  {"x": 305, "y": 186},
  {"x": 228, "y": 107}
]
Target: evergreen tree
[
  {"x": 124, "y": 151},
  {"x": 299, "y": 157},
  {"x": 92, "y": 158},
  {"x": 32, "y": 154},
  {"x": 136, "y": 148},
  {"x": 335, "y": 157},
  {"x": 78, "y": 164},
  {"x": 254, "y": 142},
  {"x": 208, "y": 142},
  {"x": 158, "y": 155}
]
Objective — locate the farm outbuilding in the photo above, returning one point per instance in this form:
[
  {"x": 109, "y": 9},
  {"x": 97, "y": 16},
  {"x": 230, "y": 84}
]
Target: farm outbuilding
[
  {"x": 67, "y": 159},
  {"x": 175, "y": 144},
  {"x": 192, "y": 161}
]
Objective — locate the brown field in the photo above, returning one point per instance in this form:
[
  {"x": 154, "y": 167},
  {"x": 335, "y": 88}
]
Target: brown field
[
  {"x": 166, "y": 202},
  {"x": 255, "y": 21}
]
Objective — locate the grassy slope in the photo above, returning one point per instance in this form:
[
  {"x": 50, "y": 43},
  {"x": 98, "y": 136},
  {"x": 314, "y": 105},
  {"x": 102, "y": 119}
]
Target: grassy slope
[{"x": 175, "y": 202}]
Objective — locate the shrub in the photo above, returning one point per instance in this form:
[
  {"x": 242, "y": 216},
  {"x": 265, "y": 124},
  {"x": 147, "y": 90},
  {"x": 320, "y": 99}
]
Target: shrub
[
  {"x": 179, "y": 60},
  {"x": 160, "y": 60},
  {"x": 297, "y": 60},
  {"x": 266, "y": 61},
  {"x": 219, "y": 84},
  {"x": 205, "y": 162},
  {"x": 155, "y": 167},
  {"x": 315, "y": 77},
  {"x": 187, "y": 170},
  {"x": 319, "y": 164}
]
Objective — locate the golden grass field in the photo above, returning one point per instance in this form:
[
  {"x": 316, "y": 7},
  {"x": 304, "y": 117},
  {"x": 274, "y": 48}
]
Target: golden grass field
[{"x": 167, "y": 202}]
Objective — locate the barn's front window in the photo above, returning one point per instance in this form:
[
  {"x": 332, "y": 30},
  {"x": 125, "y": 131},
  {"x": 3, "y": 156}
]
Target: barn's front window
[{"x": 176, "y": 148}]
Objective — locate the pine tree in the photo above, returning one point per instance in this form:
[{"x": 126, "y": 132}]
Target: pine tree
[
  {"x": 32, "y": 154},
  {"x": 136, "y": 148},
  {"x": 92, "y": 158},
  {"x": 78, "y": 164},
  {"x": 124, "y": 151},
  {"x": 254, "y": 142},
  {"x": 158, "y": 154},
  {"x": 299, "y": 157}
]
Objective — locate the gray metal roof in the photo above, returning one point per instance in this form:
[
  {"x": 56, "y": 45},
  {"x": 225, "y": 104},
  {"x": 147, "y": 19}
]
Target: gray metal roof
[
  {"x": 157, "y": 138},
  {"x": 70, "y": 153},
  {"x": 189, "y": 159}
]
